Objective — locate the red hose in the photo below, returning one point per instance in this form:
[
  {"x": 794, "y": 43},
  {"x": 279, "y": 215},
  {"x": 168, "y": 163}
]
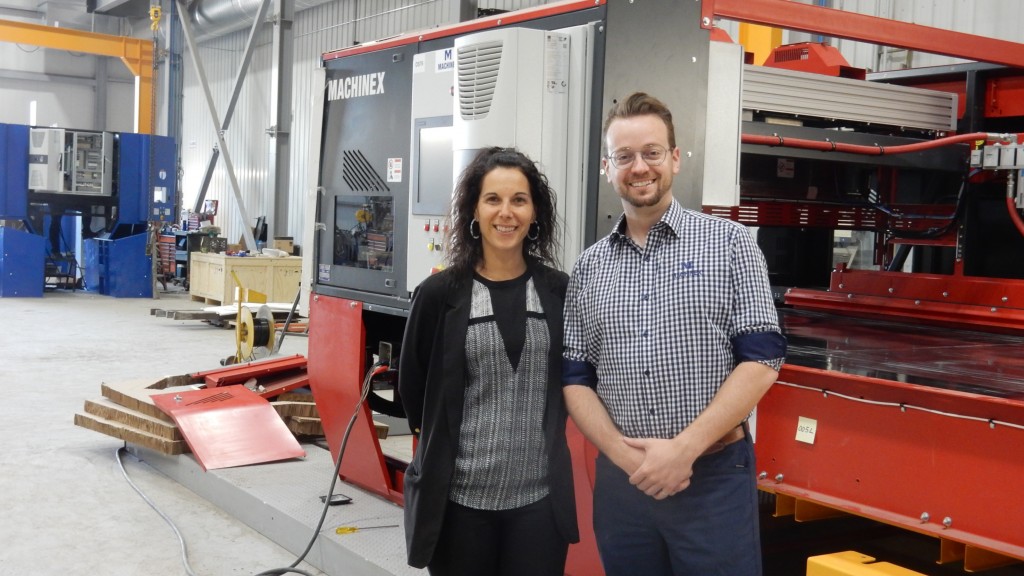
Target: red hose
[
  {"x": 877, "y": 150},
  {"x": 829, "y": 146}
]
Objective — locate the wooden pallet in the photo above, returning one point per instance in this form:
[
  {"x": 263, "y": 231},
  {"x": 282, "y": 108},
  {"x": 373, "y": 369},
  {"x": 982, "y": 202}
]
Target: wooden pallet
[{"x": 210, "y": 301}]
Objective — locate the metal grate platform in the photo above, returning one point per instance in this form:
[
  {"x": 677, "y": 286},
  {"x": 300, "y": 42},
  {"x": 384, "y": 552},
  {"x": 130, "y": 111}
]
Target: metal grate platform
[{"x": 282, "y": 501}]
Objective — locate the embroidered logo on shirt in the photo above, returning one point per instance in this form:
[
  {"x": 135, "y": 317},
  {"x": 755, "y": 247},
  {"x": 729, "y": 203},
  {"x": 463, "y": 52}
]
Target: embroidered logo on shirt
[{"x": 688, "y": 270}]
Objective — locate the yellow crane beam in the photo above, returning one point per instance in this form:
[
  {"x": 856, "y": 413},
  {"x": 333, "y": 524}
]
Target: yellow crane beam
[{"x": 136, "y": 54}]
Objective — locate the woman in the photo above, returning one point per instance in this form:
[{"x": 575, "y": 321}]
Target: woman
[{"x": 489, "y": 490}]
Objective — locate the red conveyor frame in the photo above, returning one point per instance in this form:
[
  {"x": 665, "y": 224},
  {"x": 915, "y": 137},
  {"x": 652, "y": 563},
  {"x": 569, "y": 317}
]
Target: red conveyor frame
[{"x": 886, "y": 450}]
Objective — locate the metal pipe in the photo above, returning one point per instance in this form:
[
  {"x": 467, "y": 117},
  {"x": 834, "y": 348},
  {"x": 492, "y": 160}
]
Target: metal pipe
[{"x": 1011, "y": 204}]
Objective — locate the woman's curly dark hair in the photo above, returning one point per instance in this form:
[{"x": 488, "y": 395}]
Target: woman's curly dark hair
[{"x": 463, "y": 252}]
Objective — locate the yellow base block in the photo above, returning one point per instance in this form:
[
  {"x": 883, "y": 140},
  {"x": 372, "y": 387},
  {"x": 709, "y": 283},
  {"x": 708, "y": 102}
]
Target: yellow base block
[{"x": 851, "y": 563}]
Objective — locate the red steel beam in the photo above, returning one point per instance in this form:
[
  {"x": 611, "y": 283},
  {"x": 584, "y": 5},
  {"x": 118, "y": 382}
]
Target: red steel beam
[
  {"x": 239, "y": 373},
  {"x": 863, "y": 28}
]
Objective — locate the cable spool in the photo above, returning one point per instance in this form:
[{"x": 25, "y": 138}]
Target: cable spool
[{"x": 255, "y": 332}]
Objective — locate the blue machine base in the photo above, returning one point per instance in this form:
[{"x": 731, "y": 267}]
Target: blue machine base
[
  {"x": 119, "y": 268},
  {"x": 22, "y": 262}
]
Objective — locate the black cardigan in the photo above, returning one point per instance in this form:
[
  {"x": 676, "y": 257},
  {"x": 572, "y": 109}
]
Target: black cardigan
[{"x": 432, "y": 385}]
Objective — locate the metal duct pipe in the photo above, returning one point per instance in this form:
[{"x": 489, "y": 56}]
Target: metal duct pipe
[{"x": 213, "y": 18}]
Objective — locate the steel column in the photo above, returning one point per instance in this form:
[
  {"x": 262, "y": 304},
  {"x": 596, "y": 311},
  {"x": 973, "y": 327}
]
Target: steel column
[{"x": 281, "y": 116}]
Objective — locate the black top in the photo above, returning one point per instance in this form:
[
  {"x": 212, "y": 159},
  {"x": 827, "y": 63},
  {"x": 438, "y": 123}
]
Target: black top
[{"x": 508, "y": 299}]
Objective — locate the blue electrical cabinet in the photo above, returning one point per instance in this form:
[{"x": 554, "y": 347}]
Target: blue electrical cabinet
[
  {"x": 13, "y": 171},
  {"x": 147, "y": 178},
  {"x": 22, "y": 256}
]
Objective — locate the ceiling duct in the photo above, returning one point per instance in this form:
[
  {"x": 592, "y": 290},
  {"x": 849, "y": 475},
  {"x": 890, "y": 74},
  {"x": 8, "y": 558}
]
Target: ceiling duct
[{"x": 213, "y": 18}]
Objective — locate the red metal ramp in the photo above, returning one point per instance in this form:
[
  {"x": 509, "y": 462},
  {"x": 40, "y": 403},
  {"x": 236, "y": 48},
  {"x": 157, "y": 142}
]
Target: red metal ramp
[{"x": 229, "y": 426}]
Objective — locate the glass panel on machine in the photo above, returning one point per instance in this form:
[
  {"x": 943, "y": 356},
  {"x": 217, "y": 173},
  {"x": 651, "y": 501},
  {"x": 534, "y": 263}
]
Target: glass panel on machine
[
  {"x": 364, "y": 232},
  {"x": 435, "y": 178}
]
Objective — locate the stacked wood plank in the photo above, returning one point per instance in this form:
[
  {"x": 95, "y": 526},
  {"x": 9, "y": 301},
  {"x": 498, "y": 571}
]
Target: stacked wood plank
[
  {"x": 299, "y": 413},
  {"x": 126, "y": 411}
]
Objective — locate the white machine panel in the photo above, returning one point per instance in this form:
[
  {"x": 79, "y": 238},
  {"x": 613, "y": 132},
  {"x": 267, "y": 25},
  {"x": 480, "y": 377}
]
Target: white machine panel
[
  {"x": 721, "y": 185},
  {"x": 45, "y": 163},
  {"x": 514, "y": 88},
  {"x": 70, "y": 162},
  {"x": 431, "y": 181}
]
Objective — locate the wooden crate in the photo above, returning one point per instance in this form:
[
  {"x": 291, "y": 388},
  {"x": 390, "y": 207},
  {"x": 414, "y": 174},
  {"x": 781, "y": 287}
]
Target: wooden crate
[{"x": 210, "y": 276}]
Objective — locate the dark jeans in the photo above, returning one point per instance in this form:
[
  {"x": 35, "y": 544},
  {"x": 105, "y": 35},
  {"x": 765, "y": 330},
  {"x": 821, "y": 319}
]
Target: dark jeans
[
  {"x": 711, "y": 528},
  {"x": 520, "y": 542}
]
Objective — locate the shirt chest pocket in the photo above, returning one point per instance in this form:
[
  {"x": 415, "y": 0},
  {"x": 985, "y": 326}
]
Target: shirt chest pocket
[{"x": 693, "y": 288}]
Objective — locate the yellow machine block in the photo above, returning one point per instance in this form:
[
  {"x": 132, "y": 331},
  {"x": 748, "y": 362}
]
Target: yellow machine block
[{"x": 851, "y": 563}]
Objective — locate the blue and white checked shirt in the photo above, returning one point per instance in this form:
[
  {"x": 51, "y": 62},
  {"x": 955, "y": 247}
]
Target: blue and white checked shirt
[{"x": 657, "y": 330}]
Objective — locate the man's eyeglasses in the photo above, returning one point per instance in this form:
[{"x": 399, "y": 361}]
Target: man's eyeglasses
[{"x": 653, "y": 155}]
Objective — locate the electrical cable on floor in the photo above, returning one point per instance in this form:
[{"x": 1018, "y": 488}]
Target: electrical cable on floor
[
  {"x": 181, "y": 541},
  {"x": 373, "y": 371}
]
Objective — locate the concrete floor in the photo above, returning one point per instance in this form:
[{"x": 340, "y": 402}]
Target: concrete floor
[{"x": 67, "y": 507}]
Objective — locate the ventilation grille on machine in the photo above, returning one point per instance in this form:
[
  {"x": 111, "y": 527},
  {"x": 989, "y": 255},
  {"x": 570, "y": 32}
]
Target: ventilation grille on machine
[
  {"x": 788, "y": 54},
  {"x": 478, "y": 76},
  {"x": 213, "y": 399},
  {"x": 359, "y": 174}
]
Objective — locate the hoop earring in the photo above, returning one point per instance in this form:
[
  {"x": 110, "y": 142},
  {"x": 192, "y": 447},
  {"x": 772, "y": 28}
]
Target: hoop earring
[
  {"x": 534, "y": 232},
  {"x": 471, "y": 235}
]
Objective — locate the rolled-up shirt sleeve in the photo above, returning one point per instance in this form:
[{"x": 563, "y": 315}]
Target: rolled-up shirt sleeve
[
  {"x": 768, "y": 348},
  {"x": 756, "y": 334},
  {"x": 578, "y": 364}
]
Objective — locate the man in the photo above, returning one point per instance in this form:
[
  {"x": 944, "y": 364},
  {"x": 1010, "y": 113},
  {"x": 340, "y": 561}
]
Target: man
[{"x": 671, "y": 338}]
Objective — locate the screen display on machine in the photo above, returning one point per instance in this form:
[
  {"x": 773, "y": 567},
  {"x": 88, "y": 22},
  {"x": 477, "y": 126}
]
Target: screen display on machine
[{"x": 364, "y": 232}]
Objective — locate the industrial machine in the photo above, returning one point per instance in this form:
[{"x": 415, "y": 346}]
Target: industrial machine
[
  {"x": 78, "y": 206},
  {"x": 887, "y": 205}
]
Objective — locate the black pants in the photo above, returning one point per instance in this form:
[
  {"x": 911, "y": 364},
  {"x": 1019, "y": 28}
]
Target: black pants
[{"x": 523, "y": 541}]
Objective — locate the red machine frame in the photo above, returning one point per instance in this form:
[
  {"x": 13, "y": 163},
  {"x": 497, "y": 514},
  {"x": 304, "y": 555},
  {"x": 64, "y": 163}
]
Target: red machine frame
[
  {"x": 860, "y": 446},
  {"x": 872, "y": 432}
]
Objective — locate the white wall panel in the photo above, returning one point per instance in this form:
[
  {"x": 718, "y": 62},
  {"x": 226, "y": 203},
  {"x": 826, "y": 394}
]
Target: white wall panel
[
  {"x": 992, "y": 18},
  {"x": 66, "y": 109},
  {"x": 246, "y": 139}
]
